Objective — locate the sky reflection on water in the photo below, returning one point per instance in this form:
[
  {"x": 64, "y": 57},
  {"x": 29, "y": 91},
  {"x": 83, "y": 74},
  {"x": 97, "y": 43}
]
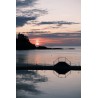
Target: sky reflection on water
[{"x": 42, "y": 84}]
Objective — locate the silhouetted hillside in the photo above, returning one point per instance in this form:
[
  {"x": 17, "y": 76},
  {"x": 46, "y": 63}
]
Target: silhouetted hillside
[{"x": 23, "y": 43}]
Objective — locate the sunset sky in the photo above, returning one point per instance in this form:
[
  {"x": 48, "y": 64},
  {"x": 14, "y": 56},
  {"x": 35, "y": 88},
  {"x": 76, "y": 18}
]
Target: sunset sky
[{"x": 50, "y": 22}]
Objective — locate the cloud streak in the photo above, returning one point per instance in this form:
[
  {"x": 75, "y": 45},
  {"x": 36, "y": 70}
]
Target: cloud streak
[
  {"x": 54, "y": 35},
  {"x": 58, "y": 23},
  {"x": 20, "y": 21},
  {"x": 30, "y": 12},
  {"x": 24, "y": 3}
]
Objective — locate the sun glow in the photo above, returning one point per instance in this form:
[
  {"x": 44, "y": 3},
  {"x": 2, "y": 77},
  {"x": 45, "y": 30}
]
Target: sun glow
[{"x": 37, "y": 42}]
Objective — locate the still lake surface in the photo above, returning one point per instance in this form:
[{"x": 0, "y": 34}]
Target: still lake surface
[{"x": 48, "y": 84}]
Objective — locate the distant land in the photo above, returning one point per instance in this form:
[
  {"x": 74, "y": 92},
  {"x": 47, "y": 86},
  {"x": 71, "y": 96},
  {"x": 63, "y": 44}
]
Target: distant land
[{"x": 23, "y": 43}]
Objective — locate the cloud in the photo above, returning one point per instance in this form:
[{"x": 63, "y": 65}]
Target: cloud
[
  {"x": 26, "y": 83},
  {"x": 79, "y": 31},
  {"x": 54, "y": 35},
  {"x": 30, "y": 12},
  {"x": 58, "y": 23},
  {"x": 20, "y": 21},
  {"x": 25, "y": 12},
  {"x": 26, "y": 8},
  {"x": 24, "y": 3},
  {"x": 28, "y": 15},
  {"x": 53, "y": 27}
]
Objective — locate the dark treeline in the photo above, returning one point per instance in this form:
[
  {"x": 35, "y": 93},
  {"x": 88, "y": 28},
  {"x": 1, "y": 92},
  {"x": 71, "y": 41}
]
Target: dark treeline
[{"x": 23, "y": 43}]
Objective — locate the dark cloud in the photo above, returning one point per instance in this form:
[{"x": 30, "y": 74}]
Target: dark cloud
[
  {"x": 78, "y": 31},
  {"x": 25, "y": 12},
  {"x": 24, "y": 3},
  {"x": 56, "y": 27},
  {"x": 54, "y": 35},
  {"x": 58, "y": 23},
  {"x": 28, "y": 15},
  {"x": 53, "y": 27},
  {"x": 20, "y": 21}
]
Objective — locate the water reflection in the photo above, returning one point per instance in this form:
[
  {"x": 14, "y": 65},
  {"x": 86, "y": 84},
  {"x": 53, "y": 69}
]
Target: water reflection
[
  {"x": 21, "y": 56},
  {"x": 26, "y": 83},
  {"x": 40, "y": 84},
  {"x": 47, "y": 56}
]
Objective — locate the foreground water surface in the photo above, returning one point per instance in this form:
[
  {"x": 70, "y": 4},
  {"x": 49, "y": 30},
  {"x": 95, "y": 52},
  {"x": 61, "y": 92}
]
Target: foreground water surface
[{"x": 48, "y": 84}]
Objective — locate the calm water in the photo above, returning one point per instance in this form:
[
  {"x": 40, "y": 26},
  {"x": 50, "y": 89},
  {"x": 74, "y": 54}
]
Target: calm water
[
  {"x": 48, "y": 84},
  {"x": 48, "y": 56}
]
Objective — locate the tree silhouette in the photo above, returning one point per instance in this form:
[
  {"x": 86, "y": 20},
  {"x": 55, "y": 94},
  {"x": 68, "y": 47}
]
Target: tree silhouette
[{"x": 23, "y": 43}]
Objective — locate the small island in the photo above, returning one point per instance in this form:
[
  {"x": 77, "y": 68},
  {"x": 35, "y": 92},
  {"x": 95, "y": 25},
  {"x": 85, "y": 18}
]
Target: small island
[{"x": 23, "y": 43}]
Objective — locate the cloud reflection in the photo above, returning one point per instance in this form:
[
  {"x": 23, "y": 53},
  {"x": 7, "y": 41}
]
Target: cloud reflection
[{"x": 26, "y": 83}]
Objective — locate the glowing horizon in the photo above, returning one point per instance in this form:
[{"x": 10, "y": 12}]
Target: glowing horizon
[{"x": 56, "y": 41}]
